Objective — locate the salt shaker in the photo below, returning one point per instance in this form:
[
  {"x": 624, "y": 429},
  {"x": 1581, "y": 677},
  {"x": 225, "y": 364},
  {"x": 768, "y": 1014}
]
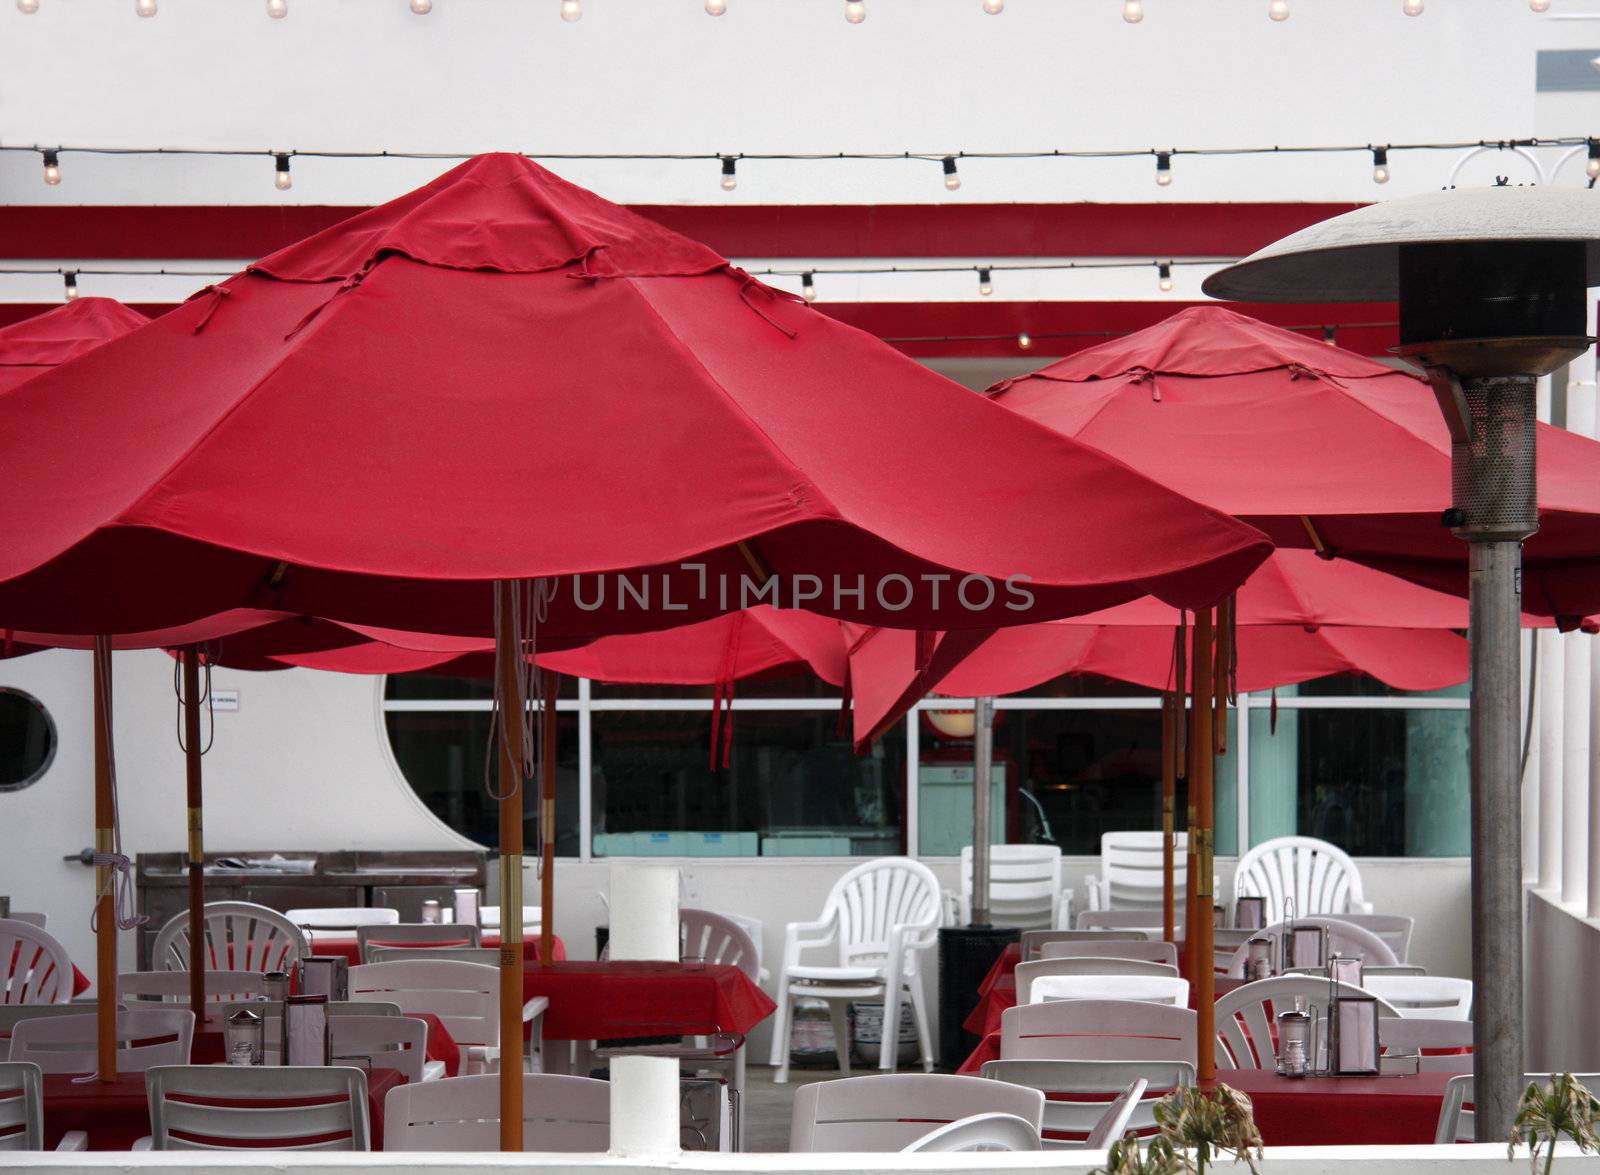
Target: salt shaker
[
  {"x": 242, "y": 1032},
  {"x": 1258, "y": 959},
  {"x": 275, "y": 985}
]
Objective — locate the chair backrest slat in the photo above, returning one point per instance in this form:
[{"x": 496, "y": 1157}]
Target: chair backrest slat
[
  {"x": 1316, "y": 876},
  {"x": 172, "y": 987},
  {"x": 34, "y": 967},
  {"x": 21, "y": 1107},
  {"x": 1027, "y": 972},
  {"x": 559, "y": 1113},
  {"x": 207, "y": 1107},
  {"x": 1152, "y": 952},
  {"x": 1097, "y": 1030},
  {"x": 69, "y": 1044},
  {"x": 237, "y": 936},
  {"x": 416, "y": 935},
  {"x": 893, "y": 1110},
  {"x": 465, "y": 996},
  {"x": 1148, "y": 989},
  {"x": 1076, "y": 1091}
]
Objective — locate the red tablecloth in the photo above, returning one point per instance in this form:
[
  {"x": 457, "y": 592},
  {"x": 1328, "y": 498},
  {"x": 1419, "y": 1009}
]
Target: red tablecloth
[
  {"x": 612, "y": 999},
  {"x": 80, "y": 981},
  {"x": 115, "y": 1114},
  {"x": 985, "y": 1018},
  {"x": 345, "y": 945}
]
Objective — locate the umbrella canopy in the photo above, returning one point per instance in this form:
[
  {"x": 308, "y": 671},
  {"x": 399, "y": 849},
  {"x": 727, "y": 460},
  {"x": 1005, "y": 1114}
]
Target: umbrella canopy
[
  {"x": 1299, "y": 617},
  {"x": 501, "y": 375},
  {"x": 1315, "y": 445},
  {"x": 46, "y": 340}
]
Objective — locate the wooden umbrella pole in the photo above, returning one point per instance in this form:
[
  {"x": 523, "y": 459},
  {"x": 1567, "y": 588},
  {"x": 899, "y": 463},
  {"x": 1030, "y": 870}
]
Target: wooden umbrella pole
[
  {"x": 1169, "y": 780},
  {"x": 1190, "y": 721},
  {"x": 197, "y": 846},
  {"x": 510, "y": 744},
  {"x": 1220, "y": 675},
  {"x": 547, "y": 820},
  {"x": 1203, "y": 975},
  {"x": 105, "y": 978}
]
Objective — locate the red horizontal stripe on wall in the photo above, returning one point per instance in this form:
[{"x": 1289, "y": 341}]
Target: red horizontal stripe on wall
[
  {"x": 989, "y": 329},
  {"x": 66, "y": 232}
]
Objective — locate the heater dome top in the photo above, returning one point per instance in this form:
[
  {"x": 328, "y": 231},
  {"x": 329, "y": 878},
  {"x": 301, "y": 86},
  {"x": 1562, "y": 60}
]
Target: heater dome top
[{"x": 1355, "y": 257}]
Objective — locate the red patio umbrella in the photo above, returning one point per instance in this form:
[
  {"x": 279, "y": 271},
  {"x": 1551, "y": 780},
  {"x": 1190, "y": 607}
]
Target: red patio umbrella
[
  {"x": 503, "y": 379},
  {"x": 34, "y": 345}
]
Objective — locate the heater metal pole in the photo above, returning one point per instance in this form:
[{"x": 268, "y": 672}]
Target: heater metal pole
[{"x": 982, "y": 758}]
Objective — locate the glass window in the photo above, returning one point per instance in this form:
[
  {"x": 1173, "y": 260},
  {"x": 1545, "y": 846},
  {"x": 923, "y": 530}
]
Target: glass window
[
  {"x": 27, "y": 739},
  {"x": 441, "y": 753},
  {"x": 1377, "y": 783},
  {"x": 793, "y": 786}
]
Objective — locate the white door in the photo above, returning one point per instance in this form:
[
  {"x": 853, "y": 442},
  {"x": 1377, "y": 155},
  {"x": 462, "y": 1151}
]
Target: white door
[{"x": 53, "y": 815}]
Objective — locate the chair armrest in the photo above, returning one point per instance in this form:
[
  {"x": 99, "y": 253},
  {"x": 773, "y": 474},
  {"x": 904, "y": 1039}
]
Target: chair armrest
[
  {"x": 74, "y": 1140},
  {"x": 1098, "y": 898},
  {"x": 144, "y": 1144},
  {"x": 952, "y": 906},
  {"x": 795, "y": 941},
  {"x": 534, "y": 1008},
  {"x": 432, "y": 1070},
  {"x": 1064, "y": 916},
  {"x": 1362, "y": 908}
]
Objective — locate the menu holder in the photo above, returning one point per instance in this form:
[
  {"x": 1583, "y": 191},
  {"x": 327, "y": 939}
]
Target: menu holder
[
  {"x": 325, "y": 975},
  {"x": 1250, "y": 913},
  {"x": 306, "y": 1040},
  {"x": 466, "y": 906},
  {"x": 1345, "y": 969},
  {"x": 1304, "y": 946},
  {"x": 1219, "y": 917},
  {"x": 1353, "y": 1035},
  {"x": 5, "y": 905}
]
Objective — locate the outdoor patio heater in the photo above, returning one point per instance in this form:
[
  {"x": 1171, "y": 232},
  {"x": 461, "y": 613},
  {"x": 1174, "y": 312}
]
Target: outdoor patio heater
[{"x": 1492, "y": 289}]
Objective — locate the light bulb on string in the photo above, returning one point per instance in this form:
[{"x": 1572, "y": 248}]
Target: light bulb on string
[
  {"x": 808, "y": 287},
  {"x": 1592, "y": 168},
  {"x": 1133, "y": 11},
  {"x": 27, "y": 7},
  {"x": 1278, "y": 10},
  {"x": 985, "y": 283},
  {"x": 716, "y": 7},
  {"x": 281, "y": 178},
  {"x": 1164, "y": 277},
  {"x": 855, "y": 11},
  {"x": 422, "y": 7},
  {"x": 1380, "y": 165},
  {"x": 1412, "y": 7},
  {"x": 994, "y": 7},
  {"x": 52, "y": 168},
  {"x": 571, "y": 10},
  {"x": 69, "y": 285},
  {"x": 730, "y": 178},
  {"x": 1024, "y": 341},
  {"x": 1164, "y": 168},
  {"x": 145, "y": 7},
  {"x": 1539, "y": 5},
  {"x": 277, "y": 9},
  {"x": 1330, "y": 336},
  {"x": 952, "y": 180}
]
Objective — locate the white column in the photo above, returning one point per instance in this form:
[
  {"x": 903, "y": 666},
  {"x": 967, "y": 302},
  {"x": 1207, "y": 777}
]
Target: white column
[
  {"x": 1552, "y": 682},
  {"x": 1575, "y": 733},
  {"x": 644, "y": 1090}
]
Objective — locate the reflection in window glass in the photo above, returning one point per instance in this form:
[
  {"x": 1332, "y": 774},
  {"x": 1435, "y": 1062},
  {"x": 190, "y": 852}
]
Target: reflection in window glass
[
  {"x": 793, "y": 787},
  {"x": 1377, "y": 783},
  {"x": 441, "y": 754}
]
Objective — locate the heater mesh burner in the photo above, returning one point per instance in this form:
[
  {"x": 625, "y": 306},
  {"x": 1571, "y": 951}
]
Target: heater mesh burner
[{"x": 1492, "y": 472}]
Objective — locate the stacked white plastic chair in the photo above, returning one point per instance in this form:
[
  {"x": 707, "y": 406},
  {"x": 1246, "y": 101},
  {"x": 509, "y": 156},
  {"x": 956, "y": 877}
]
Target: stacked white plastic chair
[
  {"x": 1132, "y": 874},
  {"x": 1025, "y": 890},
  {"x": 1300, "y": 875}
]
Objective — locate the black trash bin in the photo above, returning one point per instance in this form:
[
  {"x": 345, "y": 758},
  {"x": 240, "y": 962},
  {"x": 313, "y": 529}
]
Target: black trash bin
[{"x": 966, "y": 953}]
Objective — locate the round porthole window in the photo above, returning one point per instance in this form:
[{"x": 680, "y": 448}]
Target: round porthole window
[{"x": 27, "y": 739}]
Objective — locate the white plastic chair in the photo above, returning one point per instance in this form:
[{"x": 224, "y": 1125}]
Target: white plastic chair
[
  {"x": 1344, "y": 938},
  {"x": 980, "y": 1132},
  {"x": 880, "y": 918},
  {"x": 69, "y": 1044},
  {"x": 32, "y": 917},
  {"x": 1150, "y": 920},
  {"x": 889, "y": 1111},
  {"x": 1424, "y": 997},
  {"x": 22, "y": 1111},
  {"x": 332, "y": 1106},
  {"x": 1025, "y": 888},
  {"x": 1097, "y": 1030},
  {"x": 1245, "y": 1016},
  {"x": 1319, "y": 878},
  {"x": 465, "y": 997},
  {"x": 172, "y": 987},
  {"x": 1404, "y": 1034},
  {"x": 559, "y": 1113},
  {"x": 416, "y": 936},
  {"x": 1131, "y": 873},
  {"x": 239, "y": 936},
  {"x": 1458, "y": 1123},
  {"x": 1034, "y": 941},
  {"x": 1394, "y": 929},
  {"x": 1026, "y": 973},
  {"x": 341, "y": 917},
  {"x": 376, "y": 1033},
  {"x": 487, "y": 956},
  {"x": 1150, "y": 952},
  {"x": 34, "y": 967},
  {"x": 1112, "y": 1123},
  {"x": 1076, "y": 1092},
  {"x": 1144, "y": 989}
]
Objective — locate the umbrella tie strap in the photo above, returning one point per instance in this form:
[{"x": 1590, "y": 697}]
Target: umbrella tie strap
[
  {"x": 1139, "y": 375},
  {"x": 349, "y": 283},
  {"x": 216, "y": 294},
  {"x": 118, "y": 884},
  {"x": 751, "y": 285}
]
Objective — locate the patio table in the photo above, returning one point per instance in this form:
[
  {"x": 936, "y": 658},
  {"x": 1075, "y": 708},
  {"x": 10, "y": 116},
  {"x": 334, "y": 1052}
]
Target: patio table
[{"x": 115, "y": 1114}]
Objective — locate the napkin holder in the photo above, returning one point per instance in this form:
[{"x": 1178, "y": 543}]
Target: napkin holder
[
  {"x": 306, "y": 1039},
  {"x": 1303, "y": 945},
  {"x": 1219, "y": 917},
  {"x": 466, "y": 906},
  {"x": 1345, "y": 969},
  {"x": 325, "y": 975},
  {"x": 1250, "y": 913},
  {"x": 1353, "y": 1035}
]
